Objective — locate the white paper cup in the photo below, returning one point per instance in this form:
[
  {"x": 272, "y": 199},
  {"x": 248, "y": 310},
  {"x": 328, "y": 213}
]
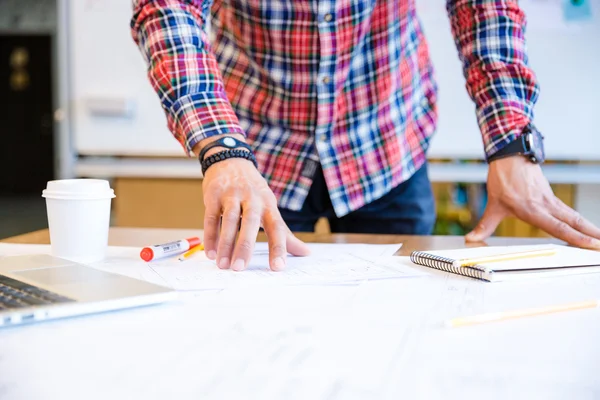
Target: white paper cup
[{"x": 79, "y": 218}]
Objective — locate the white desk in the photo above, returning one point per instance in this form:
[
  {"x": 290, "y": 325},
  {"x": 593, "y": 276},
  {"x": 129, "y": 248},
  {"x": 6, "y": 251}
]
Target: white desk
[{"x": 380, "y": 340}]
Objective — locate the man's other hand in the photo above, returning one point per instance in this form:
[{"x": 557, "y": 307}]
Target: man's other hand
[
  {"x": 238, "y": 202},
  {"x": 518, "y": 187}
]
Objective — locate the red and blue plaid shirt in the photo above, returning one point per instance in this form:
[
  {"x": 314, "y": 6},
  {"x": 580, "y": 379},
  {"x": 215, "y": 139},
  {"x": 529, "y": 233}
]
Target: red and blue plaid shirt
[{"x": 347, "y": 83}]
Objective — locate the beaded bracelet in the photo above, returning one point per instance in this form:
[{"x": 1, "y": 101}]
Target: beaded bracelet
[{"x": 227, "y": 154}]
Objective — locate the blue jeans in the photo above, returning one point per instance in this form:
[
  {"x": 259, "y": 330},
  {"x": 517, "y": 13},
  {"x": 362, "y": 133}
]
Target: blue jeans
[{"x": 408, "y": 209}]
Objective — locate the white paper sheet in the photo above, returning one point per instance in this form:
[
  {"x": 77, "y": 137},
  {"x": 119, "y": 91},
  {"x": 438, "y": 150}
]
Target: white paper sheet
[{"x": 328, "y": 264}]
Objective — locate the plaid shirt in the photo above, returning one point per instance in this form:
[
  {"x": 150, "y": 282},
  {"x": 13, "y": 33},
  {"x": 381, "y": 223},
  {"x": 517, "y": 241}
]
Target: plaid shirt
[{"x": 347, "y": 83}]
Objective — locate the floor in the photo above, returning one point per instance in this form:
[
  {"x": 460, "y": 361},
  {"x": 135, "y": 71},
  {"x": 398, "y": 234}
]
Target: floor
[{"x": 21, "y": 214}]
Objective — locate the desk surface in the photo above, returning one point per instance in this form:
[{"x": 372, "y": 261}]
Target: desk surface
[
  {"x": 375, "y": 340},
  {"x": 145, "y": 236}
]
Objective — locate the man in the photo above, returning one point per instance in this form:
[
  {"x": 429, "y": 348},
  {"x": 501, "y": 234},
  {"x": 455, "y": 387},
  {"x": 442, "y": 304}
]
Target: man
[{"x": 338, "y": 101}]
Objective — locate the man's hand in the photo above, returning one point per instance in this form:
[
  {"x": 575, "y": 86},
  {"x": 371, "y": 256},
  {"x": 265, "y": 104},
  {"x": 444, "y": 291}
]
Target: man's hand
[
  {"x": 235, "y": 189},
  {"x": 518, "y": 187}
]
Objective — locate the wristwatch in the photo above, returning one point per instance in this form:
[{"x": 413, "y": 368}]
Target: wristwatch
[{"x": 530, "y": 144}]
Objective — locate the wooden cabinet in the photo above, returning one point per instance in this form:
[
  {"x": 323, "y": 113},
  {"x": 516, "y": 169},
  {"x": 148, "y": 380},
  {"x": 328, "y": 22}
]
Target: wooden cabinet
[{"x": 178, "y": 203}]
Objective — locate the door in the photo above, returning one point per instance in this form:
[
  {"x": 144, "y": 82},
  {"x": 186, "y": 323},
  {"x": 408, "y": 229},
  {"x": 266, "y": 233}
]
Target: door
[{"x": 26, "y": 124}]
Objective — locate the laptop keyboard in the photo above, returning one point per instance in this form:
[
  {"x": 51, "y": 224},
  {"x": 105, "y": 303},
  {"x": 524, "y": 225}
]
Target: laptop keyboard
[{"x": 17, "y": 294}]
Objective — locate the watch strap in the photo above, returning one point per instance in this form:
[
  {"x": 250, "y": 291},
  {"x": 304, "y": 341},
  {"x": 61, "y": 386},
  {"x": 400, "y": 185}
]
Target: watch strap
[
  {"x": 228, "y": 142},
  {"x": 516, "y": 147}
]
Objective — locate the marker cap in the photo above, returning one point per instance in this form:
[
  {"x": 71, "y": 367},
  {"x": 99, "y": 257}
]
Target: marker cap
[
  {"x": 194, "y": 241},
  {"x": 147, "y": 254}
]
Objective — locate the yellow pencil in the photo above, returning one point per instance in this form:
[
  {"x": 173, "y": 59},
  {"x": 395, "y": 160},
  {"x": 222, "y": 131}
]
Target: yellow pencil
[
  {"x": 467, "y": 262},
  {"x": 191, "y": 252},
  {"x": 502, "y": 316}
]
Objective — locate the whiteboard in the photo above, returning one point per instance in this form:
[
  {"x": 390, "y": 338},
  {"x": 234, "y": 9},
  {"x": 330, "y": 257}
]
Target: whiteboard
[{"x": 116, "y": 112}]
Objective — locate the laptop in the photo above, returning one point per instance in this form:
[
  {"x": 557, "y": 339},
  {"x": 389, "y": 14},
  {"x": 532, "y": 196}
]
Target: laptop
[{"x": 41, "y": 287}]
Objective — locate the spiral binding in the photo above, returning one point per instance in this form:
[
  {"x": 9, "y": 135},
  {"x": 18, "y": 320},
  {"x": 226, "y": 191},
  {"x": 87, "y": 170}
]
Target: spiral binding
[{"x": 445, "y": 264}]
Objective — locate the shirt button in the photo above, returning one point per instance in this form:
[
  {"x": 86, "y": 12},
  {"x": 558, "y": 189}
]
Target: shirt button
[
  {"x": 328, "y": 17},
  {"x": 325, "y": 80}
]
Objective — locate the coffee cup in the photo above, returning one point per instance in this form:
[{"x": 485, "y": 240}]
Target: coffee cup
[{"x": 78, "y": 218}]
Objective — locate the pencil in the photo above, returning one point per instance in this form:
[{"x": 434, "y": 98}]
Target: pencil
[
  {"x": 467, "y": 262},
  {"x": 503, "y": 316},
  {"x": 191, "y": 252}
]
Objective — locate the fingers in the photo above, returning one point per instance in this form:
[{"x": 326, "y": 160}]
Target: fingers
[
  {"x": 229, "y": 231},
  {"x": 566, "y": 214},
  {"x": 230, "y": 241},
  {"x": 212, "y": 219},
  {"x": 246, "y": 239},
  {"x": 492, "y": 216},
  {"x": 276, "y": 232},
  {"x": 560, "y": 229},
  {"x": 296, "y": 246}
]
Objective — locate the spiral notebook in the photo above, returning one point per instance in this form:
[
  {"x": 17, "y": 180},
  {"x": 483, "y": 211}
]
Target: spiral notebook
[{"x": 565, "y": 260}]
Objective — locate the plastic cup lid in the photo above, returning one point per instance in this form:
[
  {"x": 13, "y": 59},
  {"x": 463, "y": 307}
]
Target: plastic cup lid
[{"x": 84, "y": 189}]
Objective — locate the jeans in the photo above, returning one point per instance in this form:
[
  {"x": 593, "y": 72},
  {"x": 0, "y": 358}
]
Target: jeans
[{"x": 407, "y": 209}]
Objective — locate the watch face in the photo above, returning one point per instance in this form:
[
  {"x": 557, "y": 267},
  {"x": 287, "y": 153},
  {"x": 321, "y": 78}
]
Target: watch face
[
  {"x": 229, "y": 142},
  {"x": 536, "y": 147}
]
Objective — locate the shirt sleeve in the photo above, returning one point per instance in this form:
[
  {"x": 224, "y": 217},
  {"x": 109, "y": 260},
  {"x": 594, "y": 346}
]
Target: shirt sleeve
[
  {"x": 172, "y": 37},
  {"x": 490, "y": 38}
]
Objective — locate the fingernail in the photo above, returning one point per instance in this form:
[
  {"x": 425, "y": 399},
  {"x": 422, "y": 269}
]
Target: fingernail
[
  {"x": 212, "y": 255},
  {"x": 224, "y": 263},
  {"x": 278, "y": 264},
  {"x": 238, "y": 265}
]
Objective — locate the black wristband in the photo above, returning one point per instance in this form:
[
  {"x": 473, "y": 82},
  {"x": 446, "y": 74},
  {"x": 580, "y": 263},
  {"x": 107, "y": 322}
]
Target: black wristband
[
  {"x": 227, "y": 154},
  {"x": 227, "y": 142}
]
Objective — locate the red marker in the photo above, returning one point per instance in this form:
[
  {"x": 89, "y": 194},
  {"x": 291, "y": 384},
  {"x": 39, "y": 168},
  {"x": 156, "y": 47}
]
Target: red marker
[{"x": 168, "y": 249}]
